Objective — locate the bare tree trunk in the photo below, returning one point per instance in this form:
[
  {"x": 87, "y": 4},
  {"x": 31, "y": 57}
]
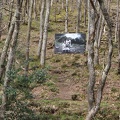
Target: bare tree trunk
[
  {"x": 35, "y": 9},
  {"x": 117, "y": 19},
  {"x": 10, "y": 58},
  {"x": 6, "y": 46},
  {"x": 91, "y": 68},
  {"x": 88, "y": 32},
  {"x": 101, "y": 31},
  {"x": 52, "y": 2},
  {"x": 85, "y": 11},
  {"x": 71, "y": 6},
  {"x": 62, "y": 4},
  {"x": 108, "y": 5},
  {"x": 24, "y": 11},
  {"x": 66, "y": 17},
  {"x": 96, "y": 47},
  {"x": 28, "y": 37},
  {"x": 78, "y": 16},
  {"x": 41, "y": 27},
  {"x": 11, "y": 14},
  {"x": 45, "y": 34},
  {"x": 94, "y": 106},
  {"x": 119, "y": 48},
  {"x": 55, "y": 11},
  {"x": 1, "y": 5}
]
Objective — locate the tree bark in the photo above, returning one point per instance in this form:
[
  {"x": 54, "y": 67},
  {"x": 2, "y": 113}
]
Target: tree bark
[
  {"x": 41, "y": 28},
  {"x": 71, "y": 6},
  {"x": 52, "y": 2},
  {"x": 85, "y": 11},
  {"x": 101, "y": 31},
  {"x": 96, "y": 47},
  {"x": 62, "y": 4},
  {"x": 55, "y": 10},
  {"x": 78, "y": 16},
  {"x": 35, "y": 9},
  {"x": 45, "y": 34},
  {"x": 11, "y": 14},
  {"x": 117, "y": 19},
  {"x": 88, "y": 29},
  {"x": 6, "y": 46},
  {"x": 66, "y": 17},
  {"x": 119, "y": 48},
  {"x": 91, "y": 68},
  {"x": 10, "y": 58},
  {"x": 1, "y": 5},
  {"x": 94, "y": 106},
  {"x": 28, "y": 37}
]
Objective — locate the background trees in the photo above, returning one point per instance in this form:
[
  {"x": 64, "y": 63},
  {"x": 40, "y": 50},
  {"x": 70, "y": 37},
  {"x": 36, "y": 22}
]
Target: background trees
[{"x": 26, "y": 48}]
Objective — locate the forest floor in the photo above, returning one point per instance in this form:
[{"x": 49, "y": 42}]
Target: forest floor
[{"x": 64, "y": 95}]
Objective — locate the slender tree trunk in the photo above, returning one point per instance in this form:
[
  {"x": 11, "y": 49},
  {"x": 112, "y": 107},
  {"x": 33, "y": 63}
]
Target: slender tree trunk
[
  {"x": 41, "y": 27},
  {"x": 45, "y": 34},
  {"x": 35, "y": 9},
  {"x": 85, "y": 11},
  {"x": 94, "y": 106},
  {"x": 88, "y": 32},
  {"x": 78, "y": 16},
  {"x": 117, "y": 19},
  {"x": 1, "y": 5},
  {"x": 119, "y": 48},
  {"x": 71, "y": 6},
  {"x": 6, "y": 46},
  {"x": 10, "y": 58},
  {"x": 108, "y": 5},
  {"x": 96, "y": 47},
  {"x": 52, "y": 2},
  {"x": 91, "y": 38},
  {"x": 24, "y": 11},
  {"x": 55, "y": 10},
  {"x": 62, "y": 4},
  {"x": 101, "y": 31},
  {"x": 11, "y": 14},
  {"x": 28, "y": 37},
  {"x": 66, "y": 17}
]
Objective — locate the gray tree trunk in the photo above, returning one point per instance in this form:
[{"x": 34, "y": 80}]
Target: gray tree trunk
[
  {"x": 71, "y": 6},
  {"x": 117, "y": 19},
  {"x": 28, "y": 37},
  {"x": 62, "y": 4},
  {"x": 101, "y": 31},
  {"x": 55, "y": 10},
  {"x": 1, "y": 5},
  {"x": 10, "y": 58},
  {"x": 25, "y": 11},
  {"x": 45, "y": 34},
  {"x": 119, "y": 47},
  {"x": 52, "y": 2},
  {"x": 91, "y": 68},
  {"x": 41, "y": 27},
  {"x": 94, "y": 104},
  {"x": 6, "y": 46},
  {"x": 35, "y": 9},
  {"x": 66, "y": 17},
  {"x": 96, "y": 47},
  {"x": 11, "y": 14},
  {"x": 85, "y": 11},
  {"x": 78, "y": 16},
  {"x": 88, "y": 30}
]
